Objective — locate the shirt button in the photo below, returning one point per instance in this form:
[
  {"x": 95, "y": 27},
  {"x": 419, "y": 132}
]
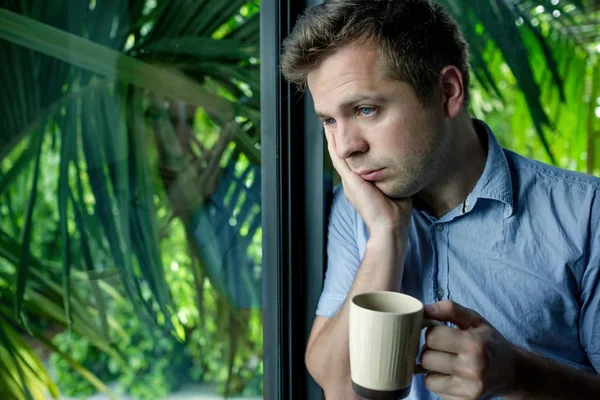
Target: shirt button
[
  {"x": 439, "y": 293},
  {"x": 439, "y": 227}
]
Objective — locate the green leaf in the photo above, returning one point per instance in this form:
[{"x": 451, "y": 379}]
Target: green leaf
[
  {"x": 227, "y": 72},
  {"x": 36, "y": 376},
  {"x": 89, "y": 264},
  {"x": 18, "y": 167},
  {"x": 67, "y": 140},
  {"x": 44, "y": 305},
  {"x": 499, "y": 20},
  {"x": 8, "y": 345},
  {"x": 220, "y": 12},
  {"x": 22, "y": 270},
  {"x": 547, "y": 52},
  {"x": 248, "y": 32},
  {"x": 204, "y": 49},
  {"x": 110, "y": 63},
  {"x": 104, "y": 203},
  {"x": 144, "y": 236},
  {"x": 89, "y": 376}
]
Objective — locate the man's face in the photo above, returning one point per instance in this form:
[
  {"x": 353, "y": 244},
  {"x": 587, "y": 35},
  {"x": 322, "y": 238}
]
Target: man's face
[{"x": 381, "y": 129}]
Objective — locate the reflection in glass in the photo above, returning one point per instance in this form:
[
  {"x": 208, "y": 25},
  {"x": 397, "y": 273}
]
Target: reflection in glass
[{"x": 130, "y": 238}]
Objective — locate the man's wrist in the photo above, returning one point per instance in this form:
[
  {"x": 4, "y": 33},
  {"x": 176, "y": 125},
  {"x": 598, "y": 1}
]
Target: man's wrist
[
  {"x": 519, "y": 387},
  {"x": 536, "y": 377},
  {"x": 388, "y": 235},
  {"x": 388, "y": 245},
  {"x": 384, "y": 259}
]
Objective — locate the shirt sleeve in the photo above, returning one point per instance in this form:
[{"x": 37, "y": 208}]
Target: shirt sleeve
[
  {"x": 589, "y": 319},
  {"x": 343, "y": 257}
]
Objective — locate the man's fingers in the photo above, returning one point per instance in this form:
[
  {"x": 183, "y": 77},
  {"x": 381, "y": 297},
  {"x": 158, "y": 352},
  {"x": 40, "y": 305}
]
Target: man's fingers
[
  {"x": 447, "y": 386},
  {"x": 339, "y": 164},
  {"x": 449, "y": 311},
  {"x": 352, "y": 183},
  {"x": 438, "y": 383},
  {"x": 443, "y": 338},
  {"x": 438, "y": 361}
]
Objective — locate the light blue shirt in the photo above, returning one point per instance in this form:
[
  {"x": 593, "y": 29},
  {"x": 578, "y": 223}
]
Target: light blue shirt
[{"x": 523, "y": 250}]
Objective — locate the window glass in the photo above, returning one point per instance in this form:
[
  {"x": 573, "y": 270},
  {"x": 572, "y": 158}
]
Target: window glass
[{"x": 130, "y": 233}]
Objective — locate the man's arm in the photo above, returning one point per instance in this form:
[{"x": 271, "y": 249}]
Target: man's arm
[
  {"x": 540, "y": 378},
  {"x": 327, "y": 355},
  {"x": 388, "y": 221}
]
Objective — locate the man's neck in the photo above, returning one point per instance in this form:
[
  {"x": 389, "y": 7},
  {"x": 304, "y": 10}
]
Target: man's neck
[{"x": 463, "y": 170}]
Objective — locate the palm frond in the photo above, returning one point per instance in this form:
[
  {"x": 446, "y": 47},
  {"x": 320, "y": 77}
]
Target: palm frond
[
  {"x": 103, "y": 62},
  {"x": 533, "y": 42}
]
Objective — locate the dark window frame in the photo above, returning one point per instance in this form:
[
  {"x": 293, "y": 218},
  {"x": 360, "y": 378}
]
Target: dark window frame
[{"x": 294, "y": 190}]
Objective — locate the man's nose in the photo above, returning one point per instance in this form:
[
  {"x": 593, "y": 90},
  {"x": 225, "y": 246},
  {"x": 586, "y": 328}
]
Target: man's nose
[{"x": 349, "y": 140}]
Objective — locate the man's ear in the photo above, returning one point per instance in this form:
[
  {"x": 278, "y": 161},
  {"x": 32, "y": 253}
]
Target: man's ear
[{"x": 451, "y": 80}]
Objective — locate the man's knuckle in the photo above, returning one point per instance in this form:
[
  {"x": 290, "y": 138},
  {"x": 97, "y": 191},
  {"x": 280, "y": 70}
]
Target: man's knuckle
[
  {"x": 427, "y": 381},
  {"x": 448, "y": 305},
  {"x": 430, "y": 335},
  {"x": 475, "y": 346},
  {"x": 477, "y": 390},
  {"x": 485, "y": 330},
  {"x": 478, "y": 372},
  {"x": 468, "y": 367},
  {"x": 464, "y": 368}
]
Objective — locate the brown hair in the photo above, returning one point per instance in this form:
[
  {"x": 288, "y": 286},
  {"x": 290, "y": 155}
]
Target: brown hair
[{"x": 416, "y": 40}]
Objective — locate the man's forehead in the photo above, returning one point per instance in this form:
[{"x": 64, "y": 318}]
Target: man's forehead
[
  {"x": 337, "y": 90},
  {"x": 346, "y": 61}
]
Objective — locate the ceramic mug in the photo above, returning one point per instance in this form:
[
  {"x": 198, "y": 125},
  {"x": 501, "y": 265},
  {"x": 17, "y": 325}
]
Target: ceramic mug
[{"x": 384, "y": 338}]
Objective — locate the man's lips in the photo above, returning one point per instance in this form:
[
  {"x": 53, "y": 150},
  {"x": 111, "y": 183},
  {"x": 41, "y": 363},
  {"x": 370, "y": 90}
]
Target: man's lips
[{"x": 371, "y": 175}]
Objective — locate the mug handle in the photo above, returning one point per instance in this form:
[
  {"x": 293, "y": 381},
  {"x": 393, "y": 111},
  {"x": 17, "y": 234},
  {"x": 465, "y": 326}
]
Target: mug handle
[{"x": 427, "y": 323}]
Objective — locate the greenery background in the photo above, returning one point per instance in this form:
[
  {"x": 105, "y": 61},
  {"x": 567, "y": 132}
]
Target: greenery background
[{"x": 125, "y": 123}]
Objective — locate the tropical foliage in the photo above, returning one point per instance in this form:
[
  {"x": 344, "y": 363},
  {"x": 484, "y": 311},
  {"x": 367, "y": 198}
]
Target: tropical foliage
[
  {"x": 129, "y": 126},
  {"x": 118, "y": 118},
  {"x": 537, "y": 69}
]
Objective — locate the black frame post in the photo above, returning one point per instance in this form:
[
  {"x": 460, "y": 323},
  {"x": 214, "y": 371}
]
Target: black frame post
[{"x": 293, "y": 212}]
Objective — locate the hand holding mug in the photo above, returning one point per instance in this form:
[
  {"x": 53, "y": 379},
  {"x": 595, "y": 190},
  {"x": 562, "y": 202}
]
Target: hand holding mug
[{"x": 471, "y": 362}]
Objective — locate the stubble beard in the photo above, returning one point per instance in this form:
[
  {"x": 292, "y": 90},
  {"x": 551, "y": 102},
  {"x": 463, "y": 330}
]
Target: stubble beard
[
  {"x": 409, "y": 180},
  {"x": 415, "y": 174}
]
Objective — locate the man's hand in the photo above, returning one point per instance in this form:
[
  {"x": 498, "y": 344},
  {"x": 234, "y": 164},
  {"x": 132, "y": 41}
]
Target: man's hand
[
  {"x": 472, "y": 362},
  {"x": 380, "y": 213}
]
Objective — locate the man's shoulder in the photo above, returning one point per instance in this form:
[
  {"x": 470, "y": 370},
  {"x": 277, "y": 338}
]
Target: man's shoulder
[{"x": 532, "y": 173}]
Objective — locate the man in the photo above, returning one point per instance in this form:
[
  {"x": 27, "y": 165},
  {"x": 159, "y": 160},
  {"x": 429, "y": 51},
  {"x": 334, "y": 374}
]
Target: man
[{"x": 504, "y": 249}]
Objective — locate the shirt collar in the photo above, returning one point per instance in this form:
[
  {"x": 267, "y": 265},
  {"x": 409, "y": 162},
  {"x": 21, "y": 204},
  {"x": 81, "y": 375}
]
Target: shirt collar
[{"x": 495, "y": 182}]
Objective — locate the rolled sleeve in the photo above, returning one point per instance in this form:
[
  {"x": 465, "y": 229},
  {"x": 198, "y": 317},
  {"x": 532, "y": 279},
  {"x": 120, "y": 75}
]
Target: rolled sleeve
[{"x": 343, "y": 257}]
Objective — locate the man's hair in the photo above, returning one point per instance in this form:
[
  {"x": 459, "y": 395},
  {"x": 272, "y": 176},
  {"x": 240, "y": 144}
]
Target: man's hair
[{"x": 416, "y": 39}]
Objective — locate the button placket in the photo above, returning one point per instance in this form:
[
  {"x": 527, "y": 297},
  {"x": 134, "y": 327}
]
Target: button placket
[
  {"x": 441, "y": 273},
  {"x": 439, "y": 294}
]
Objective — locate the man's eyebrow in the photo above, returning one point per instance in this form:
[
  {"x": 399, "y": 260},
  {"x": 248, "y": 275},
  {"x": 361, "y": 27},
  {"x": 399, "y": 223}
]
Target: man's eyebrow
[{"x": 354, "y": 101}]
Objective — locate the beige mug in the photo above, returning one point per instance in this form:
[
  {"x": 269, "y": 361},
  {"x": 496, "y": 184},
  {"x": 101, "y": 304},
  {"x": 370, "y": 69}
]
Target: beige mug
[{"x": 384, "y": 338}]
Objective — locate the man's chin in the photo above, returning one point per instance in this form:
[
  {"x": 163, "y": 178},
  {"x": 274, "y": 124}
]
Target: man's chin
[{"x": 395, "y": 194}]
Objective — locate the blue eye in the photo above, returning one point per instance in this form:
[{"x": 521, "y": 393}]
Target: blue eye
[
  {"x": 329, "y": 121},
  {"x": 366, "y": 111}
]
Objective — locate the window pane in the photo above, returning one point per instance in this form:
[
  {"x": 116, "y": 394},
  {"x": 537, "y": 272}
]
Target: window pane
[{"x": 130, "y": 233}]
